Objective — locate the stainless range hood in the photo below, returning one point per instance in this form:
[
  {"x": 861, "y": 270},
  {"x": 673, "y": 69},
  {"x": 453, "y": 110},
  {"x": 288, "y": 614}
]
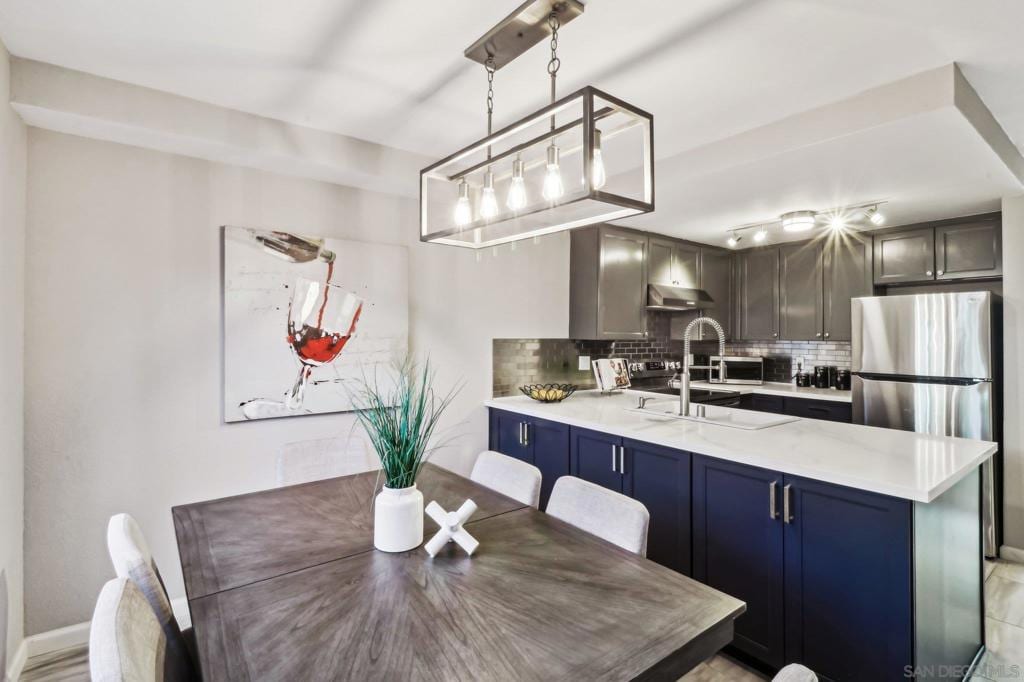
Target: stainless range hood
[{"x": 666, "y": 297}]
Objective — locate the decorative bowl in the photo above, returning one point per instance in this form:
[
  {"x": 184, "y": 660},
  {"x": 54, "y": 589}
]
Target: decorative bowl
[{"x": 548, "y": 393}]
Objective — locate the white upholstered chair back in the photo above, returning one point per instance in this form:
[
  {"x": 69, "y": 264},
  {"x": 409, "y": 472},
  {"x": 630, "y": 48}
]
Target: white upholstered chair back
[
  {"x": 607, "y": 514},
  {"x": 794, "y": 672},
  {"x": 126, "y": 642},
  {"x": 129, "y": 552},
  {"x": 313, "y": 460},
  {"x": 509, "y": 476}
]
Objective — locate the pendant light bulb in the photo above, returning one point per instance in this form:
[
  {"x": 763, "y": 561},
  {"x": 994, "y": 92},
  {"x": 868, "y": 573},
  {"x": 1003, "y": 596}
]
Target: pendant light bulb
[
  {"x": 488, "y": 202},
  {"x": 517, "y": 190},
  {"x": 597, "y": 172},
  {"x": 463, "y": 211},
  {"x": 553, "y": 187}
]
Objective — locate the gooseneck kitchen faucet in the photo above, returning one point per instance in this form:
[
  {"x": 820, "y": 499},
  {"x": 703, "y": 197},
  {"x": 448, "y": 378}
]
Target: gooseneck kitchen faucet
[{"x": 684, "y": 378}]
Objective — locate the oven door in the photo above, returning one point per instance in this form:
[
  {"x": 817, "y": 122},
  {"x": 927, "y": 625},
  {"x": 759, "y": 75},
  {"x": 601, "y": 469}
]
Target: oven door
[{"x": 740, "y": 370}]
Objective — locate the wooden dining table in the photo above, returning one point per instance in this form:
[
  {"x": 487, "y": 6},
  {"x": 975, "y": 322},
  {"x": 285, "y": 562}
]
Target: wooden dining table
[{"x": 285, "y": 584}]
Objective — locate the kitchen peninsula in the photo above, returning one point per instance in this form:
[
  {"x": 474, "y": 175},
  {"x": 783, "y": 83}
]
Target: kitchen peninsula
[{"x": 857, "y": 549}]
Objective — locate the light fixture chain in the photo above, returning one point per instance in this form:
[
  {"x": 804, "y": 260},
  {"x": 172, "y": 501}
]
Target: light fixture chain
[
  {"x": 554, "y": 63},
  {"x": 489, "y": 67}
]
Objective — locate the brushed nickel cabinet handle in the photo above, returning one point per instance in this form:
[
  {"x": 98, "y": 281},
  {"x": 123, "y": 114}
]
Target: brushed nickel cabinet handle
[
  {"x": 520, "y": 433},
  {"x": 622, "y": 459},
  {"x": 526, "y": 434},
  {"x": 826, "y": 335},
  {"x": 928, "y": 272},
  {"x": 787, "y": 516},
  {"x": 939, "y": 273},
  {"x": 773, "y": 511},
  {"x": 817, "y": 333},
  {"x": 614, "y": 455}
]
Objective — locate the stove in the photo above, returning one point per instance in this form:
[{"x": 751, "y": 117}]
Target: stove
[{"x": 662, "y": 376}]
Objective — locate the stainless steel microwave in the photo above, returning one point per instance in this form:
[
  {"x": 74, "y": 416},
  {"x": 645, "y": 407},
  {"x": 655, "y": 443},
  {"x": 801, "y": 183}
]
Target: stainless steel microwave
[{"x": 738, "y": 370}]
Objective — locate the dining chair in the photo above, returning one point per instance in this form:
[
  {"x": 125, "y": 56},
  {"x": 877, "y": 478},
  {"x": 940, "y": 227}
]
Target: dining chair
[
  {"x": 607, "y": 514},
  {"x": 126, "y": 642},
  {"x": 794, "y": 672},
  {"x": 509, "y": 476},
  {"x": 313, "y": 460},
  {"x": 129, "y": 552}
]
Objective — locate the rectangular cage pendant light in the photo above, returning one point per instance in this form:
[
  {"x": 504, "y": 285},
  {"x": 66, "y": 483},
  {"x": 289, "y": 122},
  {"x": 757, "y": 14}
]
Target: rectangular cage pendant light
[{"x": 584, "y": 159}]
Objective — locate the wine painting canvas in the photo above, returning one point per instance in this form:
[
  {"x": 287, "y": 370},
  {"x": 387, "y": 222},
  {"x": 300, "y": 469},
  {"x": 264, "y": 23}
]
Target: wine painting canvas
[{"x": 304, "y": 316}]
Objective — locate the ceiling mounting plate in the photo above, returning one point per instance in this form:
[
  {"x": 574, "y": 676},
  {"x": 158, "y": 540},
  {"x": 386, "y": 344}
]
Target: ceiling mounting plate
[{"x": 521, "y": 30}]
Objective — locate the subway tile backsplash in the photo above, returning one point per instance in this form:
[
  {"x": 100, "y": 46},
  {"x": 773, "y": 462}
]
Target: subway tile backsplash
[{"x": 531, "y": 361}]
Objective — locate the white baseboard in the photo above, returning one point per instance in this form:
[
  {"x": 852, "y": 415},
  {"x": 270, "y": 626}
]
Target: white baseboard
[
  {"x": 1011, "y": 553},
  {"x": 17, "y": 663},
  {"x": 72, "y": 636}
]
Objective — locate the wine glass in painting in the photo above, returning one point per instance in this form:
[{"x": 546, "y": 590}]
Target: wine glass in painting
[{"x": 322, "y": 317}]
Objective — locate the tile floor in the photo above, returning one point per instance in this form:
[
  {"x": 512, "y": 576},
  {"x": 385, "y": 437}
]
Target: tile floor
[{"x": 1004, "y": 632}]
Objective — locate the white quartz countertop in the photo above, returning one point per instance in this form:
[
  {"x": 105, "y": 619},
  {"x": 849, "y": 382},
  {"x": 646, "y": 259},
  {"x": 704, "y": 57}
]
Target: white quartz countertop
[
  {"x": 787, "y": 390},
  {"x": 903, "y": 464}
]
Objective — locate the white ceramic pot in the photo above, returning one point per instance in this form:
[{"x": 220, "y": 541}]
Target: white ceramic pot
[{"x": 398, "y": 519}]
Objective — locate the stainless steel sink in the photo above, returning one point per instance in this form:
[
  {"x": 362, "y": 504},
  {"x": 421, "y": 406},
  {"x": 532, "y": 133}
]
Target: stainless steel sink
[{"x": 720, "y": 416}]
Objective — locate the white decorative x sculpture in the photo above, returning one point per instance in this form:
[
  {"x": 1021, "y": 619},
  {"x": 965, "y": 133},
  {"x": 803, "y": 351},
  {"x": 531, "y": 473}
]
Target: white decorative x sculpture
[{"x": 451, "y": 528}]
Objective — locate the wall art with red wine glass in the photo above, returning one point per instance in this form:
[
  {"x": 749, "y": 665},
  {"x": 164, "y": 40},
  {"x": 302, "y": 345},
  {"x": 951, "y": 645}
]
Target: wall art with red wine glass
[{"x": 304, "y": 315}]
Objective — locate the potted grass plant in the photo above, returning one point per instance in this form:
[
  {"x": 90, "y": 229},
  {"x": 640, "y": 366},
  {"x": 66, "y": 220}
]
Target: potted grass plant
[{"x": 400, "y": 414}]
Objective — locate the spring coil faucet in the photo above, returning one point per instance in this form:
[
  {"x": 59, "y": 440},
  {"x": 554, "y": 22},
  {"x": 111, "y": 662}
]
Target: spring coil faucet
[{"x": 684, "y": 379}]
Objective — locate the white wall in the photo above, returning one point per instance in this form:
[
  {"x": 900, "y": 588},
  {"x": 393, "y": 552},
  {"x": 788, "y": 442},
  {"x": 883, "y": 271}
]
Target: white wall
[
  {"x": 123, "y": 368},
  {"x": 12, "y": 288},
  {"x": 1013, "y": 372}
]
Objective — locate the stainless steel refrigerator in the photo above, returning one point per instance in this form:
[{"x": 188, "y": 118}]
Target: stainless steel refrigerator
[{"x": 930, "y": 363}]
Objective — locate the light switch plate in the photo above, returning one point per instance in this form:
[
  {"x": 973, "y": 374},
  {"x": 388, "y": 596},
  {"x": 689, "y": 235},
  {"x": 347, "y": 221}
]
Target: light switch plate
[{"x": 584, "y": 363}]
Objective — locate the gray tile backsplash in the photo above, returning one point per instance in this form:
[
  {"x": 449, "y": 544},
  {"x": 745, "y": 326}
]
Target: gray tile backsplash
[{"x": 540, "y": 361}]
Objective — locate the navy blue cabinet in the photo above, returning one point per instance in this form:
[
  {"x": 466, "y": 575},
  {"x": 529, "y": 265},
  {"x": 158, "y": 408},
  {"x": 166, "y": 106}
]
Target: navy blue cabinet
[
  {"x": 660, "y": 478},
  {"x": 738, "y": 548},
  {"x": 542, "y": 443},
  {"x": 848, "y": 582},
  {"x": 825, "y": 570},
  {"x": 595, "y": 457}
]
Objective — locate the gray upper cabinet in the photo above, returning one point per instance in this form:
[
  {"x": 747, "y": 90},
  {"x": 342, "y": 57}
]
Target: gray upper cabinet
[
  {"x": 757, "y": 305},
  {"x": 607, "y": 283},
  {"x": 905, "y": 256},
  {"x": 800, "y": 292},
  {"x": 969, "y": 250},
  {"x": 674, "y": 263},
  {"x": 847, "y": 275},
  {"x": 716, "y": 278},
  {"x": 965, "y": 248}
]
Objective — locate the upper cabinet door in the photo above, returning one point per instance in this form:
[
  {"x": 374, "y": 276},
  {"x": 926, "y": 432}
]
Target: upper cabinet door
[
  {"x": 686, "y": 266},
  {"x": 622, "y": 285},
  {"x": 800, "y": 292},
  {"x": 970, "y": 250},
  {"x": 716, "y": 278},
  {"x": 905, "y": 256},
  {"x": 758, "y": 305},
  {"x": 847, "y": 259},
  {"x": 659, "y": 265}
]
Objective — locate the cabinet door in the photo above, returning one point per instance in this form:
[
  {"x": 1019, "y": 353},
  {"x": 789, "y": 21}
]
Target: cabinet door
[
  {"x": 659, "y": 263},
  {"x": 848, "y": 582},
  {"x": 762, "y": 403},
  {"x": 800, "y": 292},
  {"x": 594, "y": 457},
  {"x": 686, "y": 266},
  {"x": 758, "y": 294},
  {"x": 906, "y": 256},
  {"x": 622, "y": 289},
  {"x": 508, "y": 435},
  {"x": 847, "y": 259},
  {"x": 738, "y": 549},
  {"x": 969, "y": 250},
  {"x": 716, "y": 278},
  {"x": 550, "y": 443},
  {"x": 827, "y": 410},
  {"x": 660, "y": 479}
]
